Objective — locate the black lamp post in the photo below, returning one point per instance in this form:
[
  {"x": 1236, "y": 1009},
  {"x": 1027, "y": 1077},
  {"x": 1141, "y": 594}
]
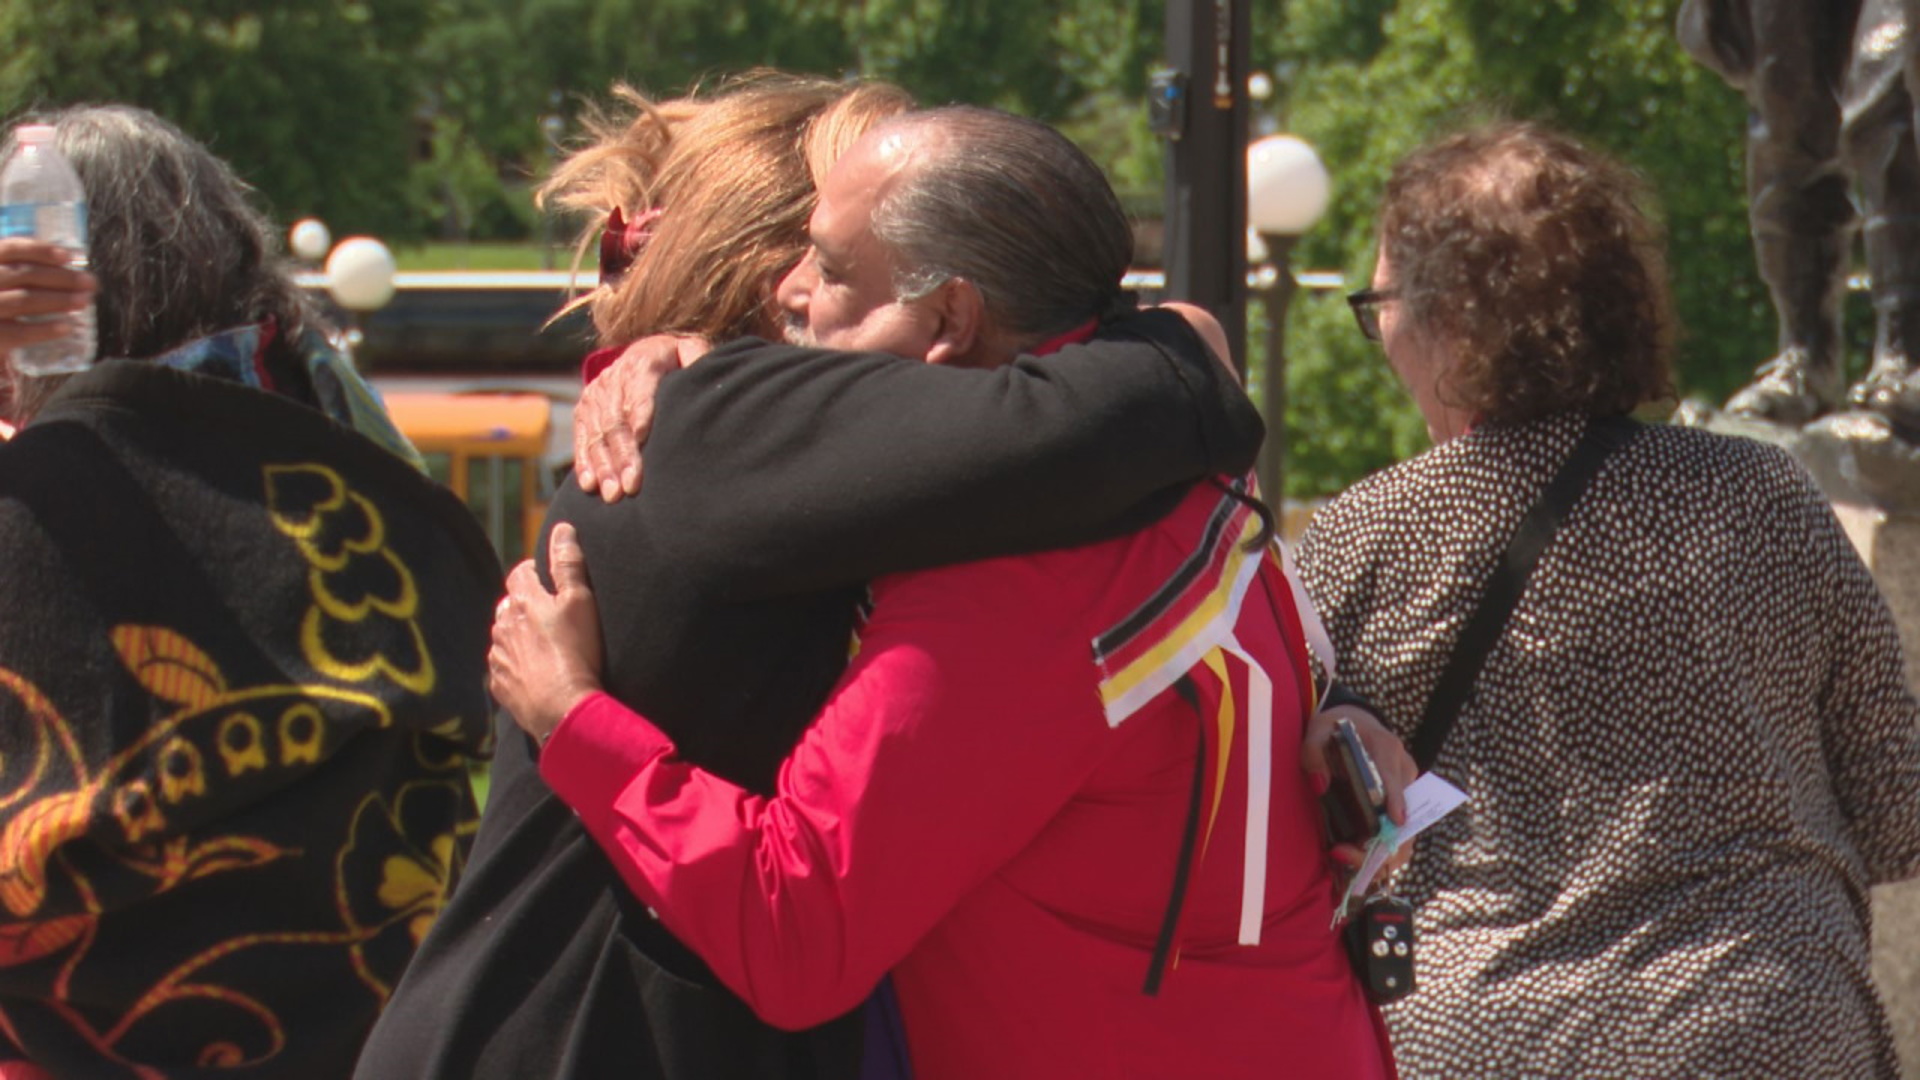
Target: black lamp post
[
  {"x": 1199, "y": 106},
  {"x": 1287, "y": 191}
]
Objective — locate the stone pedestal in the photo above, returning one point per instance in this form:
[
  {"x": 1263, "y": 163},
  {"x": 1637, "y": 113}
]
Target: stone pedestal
[{"x": 1890, "y": 544}]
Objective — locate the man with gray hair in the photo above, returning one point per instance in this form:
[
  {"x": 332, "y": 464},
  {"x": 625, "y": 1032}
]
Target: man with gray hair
[
  {"x": 1008, "y": 800},
  {"x": 989, "y": 221}
]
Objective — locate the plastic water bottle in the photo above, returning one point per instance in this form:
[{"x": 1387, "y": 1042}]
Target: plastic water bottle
[{"x": 41, "y": 197}]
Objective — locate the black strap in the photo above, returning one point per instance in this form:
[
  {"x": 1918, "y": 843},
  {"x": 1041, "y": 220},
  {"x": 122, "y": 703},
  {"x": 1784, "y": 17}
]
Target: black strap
[
  {"x": 1170, "y": 922},
  {"x": 1603, "y": 436}
]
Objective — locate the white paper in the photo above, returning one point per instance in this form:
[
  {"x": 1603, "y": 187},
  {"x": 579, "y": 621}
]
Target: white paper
[{"x": 1429, "y": 799}]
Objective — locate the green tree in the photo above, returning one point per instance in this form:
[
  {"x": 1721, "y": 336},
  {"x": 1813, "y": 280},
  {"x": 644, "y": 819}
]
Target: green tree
[
  {"x": 431, "y": 118},
  {"x": 312, "y": 100},
  {"x": 501, "y": 81}
]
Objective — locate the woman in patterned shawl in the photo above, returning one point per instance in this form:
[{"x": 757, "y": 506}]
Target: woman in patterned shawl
[
  {"x": 1692, "y": 751},
  {"x": 241, "y": 641}
]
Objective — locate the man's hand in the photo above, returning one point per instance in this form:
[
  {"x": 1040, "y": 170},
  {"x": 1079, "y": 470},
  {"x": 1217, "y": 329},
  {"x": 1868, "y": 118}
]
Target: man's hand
[
  {"x": 1390, "y": 757},
  {"x": 38, "y": 278},
  {"x": 615, "y": 414},
  {"x": 546, "y": 655}
]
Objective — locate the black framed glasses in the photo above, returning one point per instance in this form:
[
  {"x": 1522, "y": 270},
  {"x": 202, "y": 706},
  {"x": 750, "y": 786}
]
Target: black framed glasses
[{"x": 1366, "y": 309}]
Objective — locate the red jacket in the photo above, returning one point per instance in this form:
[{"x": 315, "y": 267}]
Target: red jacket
[{"x": 991, "y": 807}]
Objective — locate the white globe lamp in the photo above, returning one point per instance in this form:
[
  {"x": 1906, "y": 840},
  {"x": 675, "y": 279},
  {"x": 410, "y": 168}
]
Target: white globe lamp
[
  {"x": 1287, "y": 186},
  {"x": 360, "y": 274},
  {"x": 309, "y": 239},
  {"x": 1287, "y": 191}
]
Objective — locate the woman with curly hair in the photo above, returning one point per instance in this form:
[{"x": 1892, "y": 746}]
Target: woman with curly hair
[{"x": 1692, "y": 750}]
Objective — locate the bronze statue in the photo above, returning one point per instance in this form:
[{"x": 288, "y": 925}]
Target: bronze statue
[{"x": 1833, "y": 86}]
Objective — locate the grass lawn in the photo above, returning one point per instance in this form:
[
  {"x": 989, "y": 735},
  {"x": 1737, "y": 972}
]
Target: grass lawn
[
  {"x": 432, "y": 257},
  {"x": 480, "y": 775}
]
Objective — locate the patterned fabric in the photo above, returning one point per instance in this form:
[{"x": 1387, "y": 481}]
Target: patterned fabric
[
  {"x": 1688, "y": 757},
  {"x": 350, "y": 399},
  {"x": 238, "y": 355},
  {"x": 241, "y": 658}
]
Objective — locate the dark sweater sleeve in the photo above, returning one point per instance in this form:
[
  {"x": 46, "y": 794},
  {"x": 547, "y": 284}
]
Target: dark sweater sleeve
[{"x": 795, "y": 470}]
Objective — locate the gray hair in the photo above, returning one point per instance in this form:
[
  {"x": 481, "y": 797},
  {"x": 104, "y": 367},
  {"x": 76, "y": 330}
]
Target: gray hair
[
  {"x": 174, "y": 238},
  {"x": 1015, "y": 208}
]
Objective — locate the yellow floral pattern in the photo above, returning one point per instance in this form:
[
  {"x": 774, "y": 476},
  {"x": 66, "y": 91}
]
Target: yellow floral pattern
[
  {"x": 355, "y": 577},
  {"x": 75, "y": 831}
]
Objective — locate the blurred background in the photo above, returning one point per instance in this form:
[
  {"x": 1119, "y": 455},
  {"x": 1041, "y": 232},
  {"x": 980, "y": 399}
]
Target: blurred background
[{"x": 426, "y": 122}]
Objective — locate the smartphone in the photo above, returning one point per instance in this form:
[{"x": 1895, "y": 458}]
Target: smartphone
[{"x": 1355, "y": 799}]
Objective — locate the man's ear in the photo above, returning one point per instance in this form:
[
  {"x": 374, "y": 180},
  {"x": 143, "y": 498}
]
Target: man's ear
[{"x": 961, "y": 331}]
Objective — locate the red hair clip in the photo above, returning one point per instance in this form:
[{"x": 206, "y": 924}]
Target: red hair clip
[{"x": 621, "y": 242}]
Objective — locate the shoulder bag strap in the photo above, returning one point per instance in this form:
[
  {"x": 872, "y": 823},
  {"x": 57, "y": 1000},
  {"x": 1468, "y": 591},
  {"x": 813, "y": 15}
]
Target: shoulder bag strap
[{"x": 1602, "y": 437}]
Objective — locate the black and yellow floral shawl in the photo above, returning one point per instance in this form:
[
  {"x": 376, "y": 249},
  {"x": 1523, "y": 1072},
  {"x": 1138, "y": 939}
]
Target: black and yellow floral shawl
[{"x": 242, "y": 656}]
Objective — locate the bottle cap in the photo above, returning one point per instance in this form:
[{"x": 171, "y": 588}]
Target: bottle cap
[{"x": 33, "y": 133}]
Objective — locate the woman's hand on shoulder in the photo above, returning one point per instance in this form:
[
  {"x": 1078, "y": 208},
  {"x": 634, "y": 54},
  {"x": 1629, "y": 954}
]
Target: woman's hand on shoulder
[{"x": 614, "y": 416}]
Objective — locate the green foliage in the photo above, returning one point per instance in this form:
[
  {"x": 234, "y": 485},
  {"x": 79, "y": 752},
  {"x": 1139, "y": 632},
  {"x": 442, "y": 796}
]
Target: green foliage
[
  {"x": 309, "y": 99},
  {"x": 482, "y": 256},
  {"x": 1345, "y": 419},
  {"x": 430, "y": 119},
  {"x": 984, "y": 52},
  {"x": 1107, "y": 49}
]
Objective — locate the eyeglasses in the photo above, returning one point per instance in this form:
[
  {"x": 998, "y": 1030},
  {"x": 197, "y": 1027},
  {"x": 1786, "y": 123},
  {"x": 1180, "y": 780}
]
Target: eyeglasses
[{"x": 1366, "y": 309}]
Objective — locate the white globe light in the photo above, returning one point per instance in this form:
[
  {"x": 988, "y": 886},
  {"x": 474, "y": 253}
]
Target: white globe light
[
  {"x": 1287, "y": 186},
  {"x": 360, "y": 273},
  {"x": 310, "y": 239}
]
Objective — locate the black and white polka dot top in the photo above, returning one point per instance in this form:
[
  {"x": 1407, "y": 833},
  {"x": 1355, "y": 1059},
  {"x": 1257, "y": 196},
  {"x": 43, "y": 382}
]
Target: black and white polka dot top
[{"x": 1688, "y": 757}]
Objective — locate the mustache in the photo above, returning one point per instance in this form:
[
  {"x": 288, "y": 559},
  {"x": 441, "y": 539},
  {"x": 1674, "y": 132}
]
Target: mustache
[{"x": 793, "y": 329}]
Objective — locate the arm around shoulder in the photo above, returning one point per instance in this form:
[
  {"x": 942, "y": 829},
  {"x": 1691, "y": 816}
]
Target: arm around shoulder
[{"x": 840, "y": 467}]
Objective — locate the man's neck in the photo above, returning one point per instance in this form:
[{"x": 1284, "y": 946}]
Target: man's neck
[{"x": 1005, "y": 348}]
